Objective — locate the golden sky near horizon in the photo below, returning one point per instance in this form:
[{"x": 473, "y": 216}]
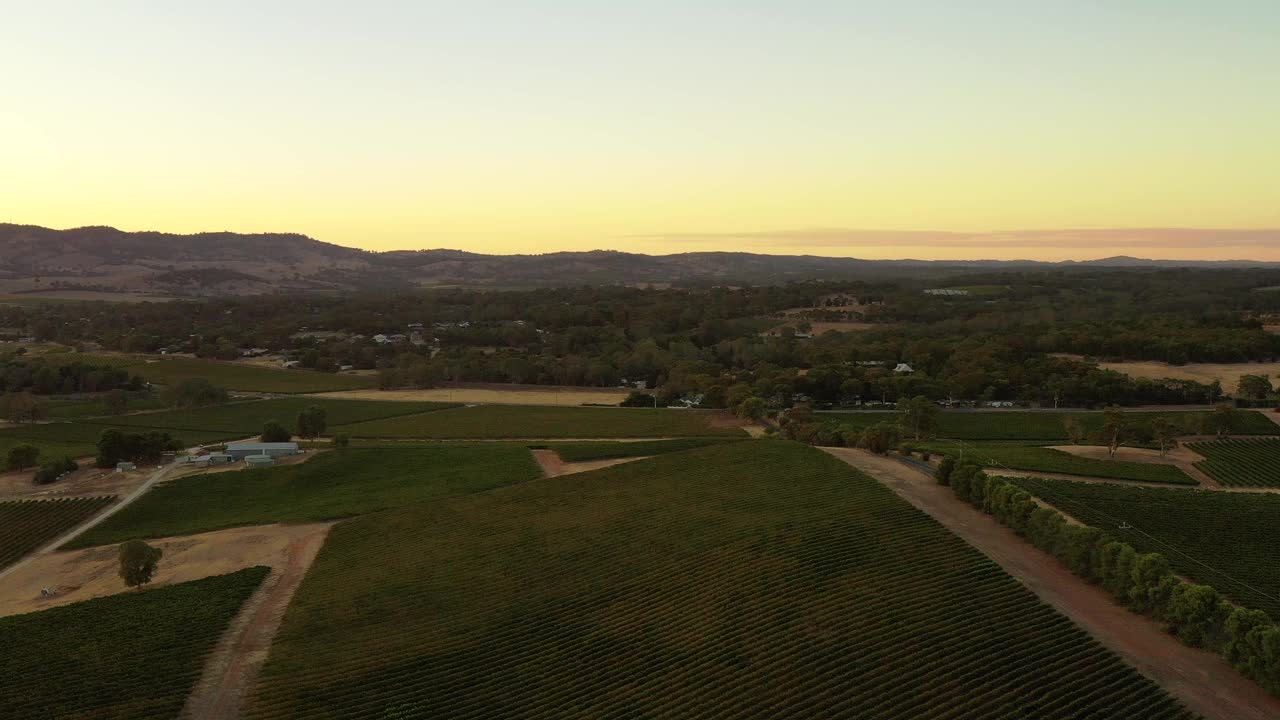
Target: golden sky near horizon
[{"x": 783, "y": 127}]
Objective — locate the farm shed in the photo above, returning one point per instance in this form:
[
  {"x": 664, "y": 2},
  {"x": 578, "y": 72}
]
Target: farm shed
[
  {"x": 259, "y": 461},
  {"x": 220, "y": 459},
  {"x": 242, "y": 450}
]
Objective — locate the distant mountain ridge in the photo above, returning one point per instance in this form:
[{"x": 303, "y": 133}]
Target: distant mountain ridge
[{"x": 38, "y": 259}]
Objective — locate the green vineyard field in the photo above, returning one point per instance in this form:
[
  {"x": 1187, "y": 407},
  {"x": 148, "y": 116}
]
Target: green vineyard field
[
  {"x": 530, "y": 421},
  {"x": 25, "y": 525},
  {"x": 247, "y": 378},
  {"x": 1222, "y": 539},
  {"x": 1016, "y": 456},
  {"x": 584, "y": 451},
  {"x": 1241, "y": 462},
  {"x": 741, "y": 580},
  {"x": 247, "y": 418},
  {"x": 331, "y": 485},
  {"x": 133, "y": 656},
  {"x": 1016, "y": 425}
]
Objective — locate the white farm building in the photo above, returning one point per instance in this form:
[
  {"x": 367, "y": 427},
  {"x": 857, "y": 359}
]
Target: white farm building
[{"x": 242, "y": 450}]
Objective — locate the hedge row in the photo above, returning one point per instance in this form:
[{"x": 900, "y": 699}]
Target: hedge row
[{"x": 1145, "y": 583}]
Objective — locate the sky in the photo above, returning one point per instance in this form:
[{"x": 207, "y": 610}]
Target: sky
[{"x": 930, "y": 129}]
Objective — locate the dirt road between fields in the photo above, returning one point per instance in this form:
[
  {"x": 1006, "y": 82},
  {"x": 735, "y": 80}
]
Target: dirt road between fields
[
  {"x": 230, "y": 672},
  {"x": 553, "y": 466},
  {"x": 1205, "y": 682}
]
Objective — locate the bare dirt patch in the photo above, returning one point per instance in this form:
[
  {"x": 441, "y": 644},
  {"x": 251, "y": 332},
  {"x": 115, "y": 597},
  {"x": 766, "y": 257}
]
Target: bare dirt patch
[
  {"x": 1180, "y": 457},
  {"x": 1205, "y": 682},
  {"x": 92, "y": 572},
  {"x": 231, "y": 670},
  {"x": 88, "y": 480},
  {"x": 553, "y": 466},
  {"x": 494, "y": 395},
  {"x": 1226, "y": 373}
]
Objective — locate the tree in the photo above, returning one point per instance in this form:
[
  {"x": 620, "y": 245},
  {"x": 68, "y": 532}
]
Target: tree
[
  {"x": 1114, "y": 429},
  {"x": 54, "y": 469},
  {"x": 22, "y": 457},
  {"x": 918, "y": 416},
  {"x": 1254, "y": 387},
  {"x": 193, "y": 392},
  {"x": 116, "y": 402},
  {"x": 273, "y": 431},
  {"x": 751, "y": 409},
  {"x": 312, "y": 422},
  {"x": 1075, "y": 431},
  {"x": 138, "y": 562},
  {"x": 21, "y": 407},
  {"x": 1222, "y": 419},
  {"x": 1165, "y": 431},
  {"x": 341, "y": 440}
]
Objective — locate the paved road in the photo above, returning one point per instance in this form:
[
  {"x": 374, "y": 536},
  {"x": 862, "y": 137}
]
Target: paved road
[{"x": 1206, "y": 683}]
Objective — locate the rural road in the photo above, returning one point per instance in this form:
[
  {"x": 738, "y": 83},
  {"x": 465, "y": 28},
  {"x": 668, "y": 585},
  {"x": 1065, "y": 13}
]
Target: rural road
[
  {"x": 84, "y": 527},
  {"x": 1203, "y": 681},
  {"x": 232, "y": 668}
]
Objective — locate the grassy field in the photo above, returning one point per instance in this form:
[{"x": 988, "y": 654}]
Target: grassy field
[
  {"x": 25, "y": 525},
  {"x": 1227, "y": 540},
  {"x": 49, "y": 449},
  {"x": 1241, "y": 463},
  {"x": 528, "y": 421},
  {"x": 1018, "y": 456},
  {"x": 1015, "y": 425},
  {"x": 80, "y": 409},
  {"x": 740, "y": 580},
  {"x": 248, "y": 378},
  {"x": 82, "y": 437},
  {"x": 247, "y": 418},
  {"x": 134, "y": 655},
  {"x": 332, "y": 485},
  {"x": 584, "y": 451}
]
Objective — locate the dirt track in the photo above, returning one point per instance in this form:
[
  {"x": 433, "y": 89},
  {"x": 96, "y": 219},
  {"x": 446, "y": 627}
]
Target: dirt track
[
  {"x": 1205, "y": 682},
  {"x": 553, "y": 466},
  {"x": 229, "y": 673}
]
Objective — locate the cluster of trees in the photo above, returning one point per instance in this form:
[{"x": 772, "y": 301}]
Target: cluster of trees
[
  {"x": 43, "y": 377},
  {"x": 193, "y": 392},
  {"x": 708, "y": 340},
  {"x": 1145, "y": 583},
  {"x": 311, "y": 423},
  {"x": 22, "y": 407},
  {"x": 51, "y": 470},
  {"x": 116, "y": 446}
]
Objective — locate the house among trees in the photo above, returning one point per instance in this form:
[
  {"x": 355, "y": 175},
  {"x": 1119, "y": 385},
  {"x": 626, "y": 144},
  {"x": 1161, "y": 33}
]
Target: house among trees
[{"x": 903, "y": 368}]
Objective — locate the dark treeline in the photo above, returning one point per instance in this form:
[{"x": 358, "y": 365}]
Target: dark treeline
[
  {"x": 1003, "y": 341},
  {"x": 42, "y": 377}
]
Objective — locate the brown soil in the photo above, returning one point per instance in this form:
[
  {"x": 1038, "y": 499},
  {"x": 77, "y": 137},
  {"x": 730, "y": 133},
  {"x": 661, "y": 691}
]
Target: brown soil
[
  {"x": 1205, "y": 682},
  {"x": 88, "y": 480},
  {"x": 1180, "y": 457},
  {"x": 231, "y": 670},
  {"x": 82, "y": 574},
  {"x": 553, "y": 466}
]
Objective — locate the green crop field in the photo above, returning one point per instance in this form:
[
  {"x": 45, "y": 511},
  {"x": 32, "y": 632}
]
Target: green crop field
[
  {"x": 1025, "y": 425},
  {"x": 25, "y": 525},
  {"x": 1222, "y": 539},
  {"x": 1244, "y": 463},
  {"x": 743, "y": 580},
  {"x": 331, "y": 485},
  {"x": 82, "y": 437},
  {"x": 49, "y": 449},
  {"x": 80, "y": 409},
  {"x": 248, "y": 378},
  {"x": 584, "y": 451},
  {"x": 1018, "y": 456},
  {"x": 130, "y": 656},
  {"x": 530, "y": 421},
  {"x": 247, "y": 418}
]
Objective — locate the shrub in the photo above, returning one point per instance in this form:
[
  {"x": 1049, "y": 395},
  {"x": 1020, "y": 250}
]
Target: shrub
[
  {"x": 53, "y": 469},
  {"x": 945, "y": 468},
  {"x": 22, "y": 457}
]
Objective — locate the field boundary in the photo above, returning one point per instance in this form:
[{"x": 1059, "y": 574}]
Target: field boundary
[{"x": 1205, "y": 682}]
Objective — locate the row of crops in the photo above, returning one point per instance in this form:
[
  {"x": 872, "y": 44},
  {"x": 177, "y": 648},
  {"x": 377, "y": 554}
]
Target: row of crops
[
  {"x": 25, "y": 525},
  {"x": 737, "y": 580},
  {"x": 1241, "y": 462},
  {"x": 1222, "y": 539},
  {"x": 1046, "y": 426},
  {"x": 130, "y": 656}
]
